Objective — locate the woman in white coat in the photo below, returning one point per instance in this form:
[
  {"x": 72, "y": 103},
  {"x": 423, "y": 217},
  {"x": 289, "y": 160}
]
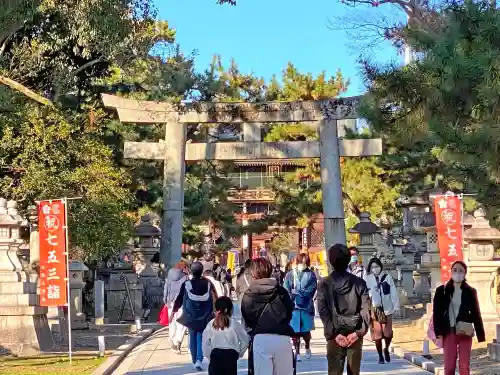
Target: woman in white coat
[{"x": 384, "y": 303}]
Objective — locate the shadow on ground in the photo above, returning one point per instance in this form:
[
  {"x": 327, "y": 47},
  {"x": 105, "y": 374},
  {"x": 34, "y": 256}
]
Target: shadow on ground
[{"x": 317, "y": 365}]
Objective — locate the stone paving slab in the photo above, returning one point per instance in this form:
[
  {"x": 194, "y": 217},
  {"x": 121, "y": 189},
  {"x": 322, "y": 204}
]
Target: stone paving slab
[{"x": 154, "y": 357}]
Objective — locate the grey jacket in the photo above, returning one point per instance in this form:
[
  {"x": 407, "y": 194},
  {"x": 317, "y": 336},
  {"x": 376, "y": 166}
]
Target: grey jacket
[{"x": 173, "y": 283}]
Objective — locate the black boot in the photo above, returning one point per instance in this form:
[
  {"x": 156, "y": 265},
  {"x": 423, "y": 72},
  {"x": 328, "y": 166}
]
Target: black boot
[
  {"x": 387, "y": 355},
  {"x": 378, "y": 345}
]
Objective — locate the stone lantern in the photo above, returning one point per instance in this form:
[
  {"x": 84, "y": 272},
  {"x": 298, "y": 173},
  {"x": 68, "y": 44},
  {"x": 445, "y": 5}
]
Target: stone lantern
[
  {"x": 34, "y": 239},
  {"x": 414, "y": 209},
  {"x": 147, "y": 236},
  {"x": 366, "y": 231},
  {"x": 77, "y": 270},
  {"x": 25, "y": 329},
  {"x": 482, "y": 269}
]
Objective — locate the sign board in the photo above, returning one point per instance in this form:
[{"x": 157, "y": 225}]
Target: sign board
[
  {"x": 53, "y": 278},
  {"x": 448, "y": 209}
]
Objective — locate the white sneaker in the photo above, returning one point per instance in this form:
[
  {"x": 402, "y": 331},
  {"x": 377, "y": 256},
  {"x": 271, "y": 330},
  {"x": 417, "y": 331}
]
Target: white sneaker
[
  {"x": 298, "y": 358},
  {"x": 308, "y": 354},
  {"x": 197, "y": 366}
]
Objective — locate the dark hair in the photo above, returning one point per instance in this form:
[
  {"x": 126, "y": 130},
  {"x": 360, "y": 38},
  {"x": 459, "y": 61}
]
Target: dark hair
[
  {"x": 197, "y": 270},
  {"x": 339, "y": 257},
  {"x": 304, "y": 259},
  {"x": 209, "y": 273},
  {"x": 460, "y": 263},
  {"x": 223, "y": 312},
  {"x": 353, "y": 249},
  {"x": 376, "y": 261},
  {"x": 248, "y": 263},
  {"x": 449, "y": 287},
  {"x": 261, "y": 269}
]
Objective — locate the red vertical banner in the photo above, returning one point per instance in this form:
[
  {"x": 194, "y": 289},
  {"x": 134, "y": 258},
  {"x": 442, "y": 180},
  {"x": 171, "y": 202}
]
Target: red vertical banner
[
  {"x": 52, "y": 239},
  {"x": 448, "y": 209}
]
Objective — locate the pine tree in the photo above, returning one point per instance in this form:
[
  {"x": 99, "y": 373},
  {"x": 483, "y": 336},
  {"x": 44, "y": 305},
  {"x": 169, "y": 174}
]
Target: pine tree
[{"x": 440, "y": 114}]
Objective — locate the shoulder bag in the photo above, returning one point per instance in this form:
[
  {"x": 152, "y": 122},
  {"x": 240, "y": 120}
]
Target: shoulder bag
[
  {"x": 378, "y": 311},
  {"x": 344, "y": 324}
]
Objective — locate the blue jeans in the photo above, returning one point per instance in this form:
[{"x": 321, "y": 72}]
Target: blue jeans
[{"x": 195, "y": 345}]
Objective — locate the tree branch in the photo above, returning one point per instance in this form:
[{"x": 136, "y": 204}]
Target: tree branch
[
  {"x": 25, "y": 91},
  {"x": 87, "y": 65},
  {"x": 8, "y": 38}
]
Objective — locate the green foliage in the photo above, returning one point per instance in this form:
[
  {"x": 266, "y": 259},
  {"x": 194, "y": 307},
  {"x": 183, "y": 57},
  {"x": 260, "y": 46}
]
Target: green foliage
[
  {"x": 282, "y": 243},
  {"x": 364, "y": 183},
  {"x": 206, "y": 201},
  {"x": 44, "y": 154},
  {"x": 59, "y": 47},
  {"x": 291, "y": 132},
  {"x": 299, "y": 194},
  {"x": 439, "y": 115},
  {"x": 298, "y": 86}
]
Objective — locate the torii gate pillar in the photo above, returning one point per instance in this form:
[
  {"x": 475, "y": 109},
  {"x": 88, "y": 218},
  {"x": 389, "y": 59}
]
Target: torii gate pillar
[
  {"x": 174, "y": 168},
  {"x": 331, "y": 184}
]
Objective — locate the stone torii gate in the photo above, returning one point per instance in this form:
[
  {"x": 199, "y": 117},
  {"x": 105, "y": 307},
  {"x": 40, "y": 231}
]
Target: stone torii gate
[{"x": 175, "y": 152}]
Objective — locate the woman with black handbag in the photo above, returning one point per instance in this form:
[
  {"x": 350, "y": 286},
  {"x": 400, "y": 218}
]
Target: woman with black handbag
[
  {"x": 384, "y": 303},
  {"x": 456, "y": 315}
]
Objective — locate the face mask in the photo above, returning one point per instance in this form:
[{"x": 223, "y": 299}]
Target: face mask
[
  {"x": 376, "y": 270},
  {"x": 354, "y": 259},
  {"x": 457, "y": 277},
  {"x": 301, "y": 267}
]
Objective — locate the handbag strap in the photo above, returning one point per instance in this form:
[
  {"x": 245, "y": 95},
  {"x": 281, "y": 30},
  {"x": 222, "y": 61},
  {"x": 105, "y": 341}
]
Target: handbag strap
[
  {"x": 379, "y": 287},
  {"x": 263, "y": 311}
]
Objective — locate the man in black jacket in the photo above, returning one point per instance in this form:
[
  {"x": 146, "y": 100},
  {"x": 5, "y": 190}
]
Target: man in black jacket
[{"x": 343, "y": 305}]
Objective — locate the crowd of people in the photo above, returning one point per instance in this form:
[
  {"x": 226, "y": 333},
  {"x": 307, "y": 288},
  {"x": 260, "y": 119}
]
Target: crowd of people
[{"x": 278, "y": 311}]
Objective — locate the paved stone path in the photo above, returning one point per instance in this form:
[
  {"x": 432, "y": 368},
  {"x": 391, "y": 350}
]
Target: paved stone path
[{"x": 154, "y": 357}]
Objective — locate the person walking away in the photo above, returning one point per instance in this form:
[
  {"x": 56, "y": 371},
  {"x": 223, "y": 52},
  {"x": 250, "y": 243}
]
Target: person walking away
[
  {"x": 229, "y": 282},
  {"x": 243, "y": 281},
  {"x": 344, "y": 309},
  {"x": 219, "y": 288},
  {"x": 355, "y": 266},
  {"x": 267, "y": 310},
  {"x": 456, "y": 315},
  {"x": 301, "y": 285},
  {"x": 176, "y": 277},
  {"x": 224, "y": 340},
  {"x": 217, "y": 271},
  {"x": 225, "y": 284},
  {"x": 196, "y": 297},
  {"x": 278, "y": 275},
  {"x": 384, "y": 303}
]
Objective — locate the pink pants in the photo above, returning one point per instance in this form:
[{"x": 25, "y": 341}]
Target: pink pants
[{"x": 453, "y": 346}]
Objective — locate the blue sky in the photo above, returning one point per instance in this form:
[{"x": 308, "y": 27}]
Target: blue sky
[{"x": 263, "y": 35}]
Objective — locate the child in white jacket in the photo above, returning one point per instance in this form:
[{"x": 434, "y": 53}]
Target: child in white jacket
[
  {"x": 385, "y": 303},
  {"x": 224, "y": 340}
]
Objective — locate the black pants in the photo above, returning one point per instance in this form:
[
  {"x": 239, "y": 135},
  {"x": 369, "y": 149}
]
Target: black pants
[
  {"x": 336, "y": 356},
  {"x": 223, "y": 362}
]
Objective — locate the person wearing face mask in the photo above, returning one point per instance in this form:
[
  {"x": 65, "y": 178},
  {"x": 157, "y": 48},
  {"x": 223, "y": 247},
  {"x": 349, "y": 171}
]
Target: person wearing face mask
[
  {"x": 456, "y": 315},
  {"x": 355, "y": 267},
  {"x": 384, "y": 303},
  {"x": 301, "y": 285}
]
